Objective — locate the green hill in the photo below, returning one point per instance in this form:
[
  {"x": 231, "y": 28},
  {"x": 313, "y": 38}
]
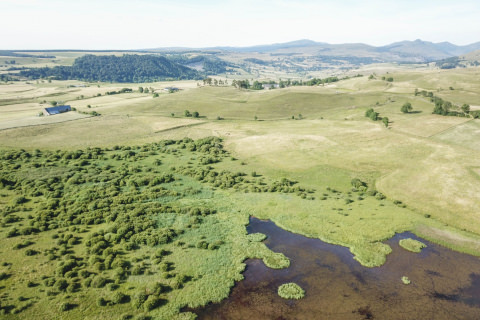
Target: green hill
[{"x": 127, "y": 68}]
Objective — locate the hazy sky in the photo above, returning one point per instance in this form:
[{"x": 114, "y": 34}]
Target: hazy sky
[{"x": 128, "y": 24}]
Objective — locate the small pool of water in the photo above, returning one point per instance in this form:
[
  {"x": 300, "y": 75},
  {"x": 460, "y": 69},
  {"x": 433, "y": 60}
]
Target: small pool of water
[{"x": 444, "y": 284}]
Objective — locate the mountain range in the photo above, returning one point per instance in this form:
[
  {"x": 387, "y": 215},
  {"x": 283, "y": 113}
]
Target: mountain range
[{"x": 404, "y": 51}]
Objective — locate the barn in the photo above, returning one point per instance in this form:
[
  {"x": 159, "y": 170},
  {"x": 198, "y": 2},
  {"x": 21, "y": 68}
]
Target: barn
[{"x": 56, "y": 110}]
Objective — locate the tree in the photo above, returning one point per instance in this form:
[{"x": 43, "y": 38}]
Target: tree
[
  {"x": 140, "y": 89},
  {"x": 187, "y": 113},
  {"x": 257, "y": 86},
  {"x": 447, "y": 105},
  {"x": 438, "y": 109},
  {"x": 407, "y": 107},
  {"x": 466, "y": 108},
  {"x": 241, "y": 84},
  {"x": 385, "y": 121},
  {"x": 370, "y": 113},
  {"x": 195, "y": 114}
]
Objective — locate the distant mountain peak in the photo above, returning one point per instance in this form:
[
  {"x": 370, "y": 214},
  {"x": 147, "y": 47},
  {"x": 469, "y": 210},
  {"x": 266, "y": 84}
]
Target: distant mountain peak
[{"x": 300, "y": 42}]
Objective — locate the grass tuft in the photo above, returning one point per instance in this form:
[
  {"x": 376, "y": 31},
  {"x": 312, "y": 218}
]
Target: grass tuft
[
  {"x": 291, "y": 291},
  {"x": 412, "y": 245}
]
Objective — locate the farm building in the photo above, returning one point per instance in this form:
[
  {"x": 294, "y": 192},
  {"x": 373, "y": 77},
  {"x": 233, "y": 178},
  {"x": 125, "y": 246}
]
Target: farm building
[
  {"x": 56, "y": 110},
  {"x": 268, "y": 86}
]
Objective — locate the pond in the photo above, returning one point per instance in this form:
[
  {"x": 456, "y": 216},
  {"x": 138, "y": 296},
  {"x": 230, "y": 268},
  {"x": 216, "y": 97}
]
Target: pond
[{"x": 444, "y": 284}]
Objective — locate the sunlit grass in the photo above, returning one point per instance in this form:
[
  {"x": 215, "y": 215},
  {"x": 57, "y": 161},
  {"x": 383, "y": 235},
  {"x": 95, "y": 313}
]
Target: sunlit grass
[{"x": 412, "y": 245}]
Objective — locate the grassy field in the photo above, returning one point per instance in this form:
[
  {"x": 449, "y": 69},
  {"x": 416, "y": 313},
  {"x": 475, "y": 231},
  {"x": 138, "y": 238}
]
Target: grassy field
[{"x": 422, "y": 172}]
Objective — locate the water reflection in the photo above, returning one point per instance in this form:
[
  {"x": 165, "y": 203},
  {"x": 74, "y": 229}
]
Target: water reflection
[{"x": 444, "y": 284}]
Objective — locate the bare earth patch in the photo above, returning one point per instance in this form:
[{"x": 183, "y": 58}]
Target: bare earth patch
[{"x": 450, "y": 237}]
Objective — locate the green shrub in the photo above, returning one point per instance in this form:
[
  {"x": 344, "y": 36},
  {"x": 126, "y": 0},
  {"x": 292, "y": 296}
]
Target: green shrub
[
  {"x": 98, "y": 282},
  {"x": 151, "y": 303},
  {"x": 65, "y": 306},
  {"x": 407, "y": 107},
  {"x": 158, "y": 289},
  {"x": 12, "y": 233},
  {"x": 119, "y": 297},
  {"x": 61, "y": 284},
  {"x": 72, "y": 287},
  {"x": 101, "y": 302},
  {"x": 139, "y": 299},
  {"x": 357, "y": 183},
  {"x": 379, "y": 196},
  {"x": 370, "y": 113},
  {"x": 19, "y": 200}
]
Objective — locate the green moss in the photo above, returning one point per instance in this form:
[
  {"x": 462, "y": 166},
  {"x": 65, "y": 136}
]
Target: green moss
[
  {"x": 291, "y": 291},
  {"x": 412, "y": 245}
]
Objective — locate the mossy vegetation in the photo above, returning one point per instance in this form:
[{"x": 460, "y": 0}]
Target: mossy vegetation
[
  {"x": 256, "y": 237},
  {"x": 412, "y": 245},
  {"x": 291, "y": 291},
  {"x": 406, "y": 280}
]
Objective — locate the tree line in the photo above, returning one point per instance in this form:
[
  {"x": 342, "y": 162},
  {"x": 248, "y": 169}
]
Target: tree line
[
  {"x": 447, "y": 108},
  {"x": 259, "y": 85}
]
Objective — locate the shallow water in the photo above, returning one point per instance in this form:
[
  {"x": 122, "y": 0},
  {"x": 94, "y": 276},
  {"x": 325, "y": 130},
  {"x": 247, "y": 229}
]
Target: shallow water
[{"x": 444, "y": 284}]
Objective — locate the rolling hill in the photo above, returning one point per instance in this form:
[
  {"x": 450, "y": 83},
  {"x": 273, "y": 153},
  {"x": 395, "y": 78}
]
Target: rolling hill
[{"x": 404, "y": 51}]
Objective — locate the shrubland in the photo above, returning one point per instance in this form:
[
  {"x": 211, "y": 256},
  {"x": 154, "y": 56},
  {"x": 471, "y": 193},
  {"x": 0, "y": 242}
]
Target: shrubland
[{"x": 123, "y": 229}]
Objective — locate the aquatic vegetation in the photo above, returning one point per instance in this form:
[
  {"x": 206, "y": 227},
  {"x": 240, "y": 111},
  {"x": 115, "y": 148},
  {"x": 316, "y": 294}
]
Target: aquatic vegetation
[
  {"x": 405, "y": 280},
  {"x": 256, "y": 237},
  {"x": 412, "y": 245},
  {"x": 291, "y": 291}
]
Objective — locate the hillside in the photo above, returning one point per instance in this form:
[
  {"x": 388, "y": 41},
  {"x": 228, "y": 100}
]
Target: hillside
[
  {"x": 404, "y": 51},
  {"x": 127, "y": 68}
]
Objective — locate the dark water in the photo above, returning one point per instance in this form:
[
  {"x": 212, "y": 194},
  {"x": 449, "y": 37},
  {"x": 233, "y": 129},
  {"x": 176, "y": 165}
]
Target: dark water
[{"x": 444, "y": 284}]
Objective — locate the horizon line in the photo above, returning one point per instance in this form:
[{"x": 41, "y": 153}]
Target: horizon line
[{"x": 226, "y": 46}]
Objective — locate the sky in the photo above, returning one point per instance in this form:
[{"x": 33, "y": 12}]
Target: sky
[{"x": 142, "y": 24}]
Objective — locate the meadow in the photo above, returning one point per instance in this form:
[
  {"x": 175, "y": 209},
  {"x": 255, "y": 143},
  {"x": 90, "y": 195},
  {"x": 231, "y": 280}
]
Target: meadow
[{"x": 305, "y": 157}]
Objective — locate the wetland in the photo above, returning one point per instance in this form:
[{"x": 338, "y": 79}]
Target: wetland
[{"x": 444, "y": 284}]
